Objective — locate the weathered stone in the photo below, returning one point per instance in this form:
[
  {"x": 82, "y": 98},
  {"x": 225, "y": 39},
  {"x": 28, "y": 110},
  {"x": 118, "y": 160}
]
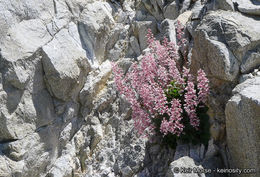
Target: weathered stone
[
  {"x": 34, "y": 162},
  {"x": 185, "y": 5},
  {"x": 11, "y": 13},
  {"x": 97, "y": 134},
  {"x": 127, "y": 171},
  {"x": 157, "y": 158},
  {"x": 223, "y": 51},
  {"x": 118, "y": 51},
  {"x": 141, "y": 30},
  {"x": 154, "y": 8},
  {"x": 241, "y": 32},
  {"x": 212, "y": 150},
  {"x": 135, "y": 45},
  {"x": 181, "y": 163},
  {"x": 65, "y": 165},
  {"x": 71, "y": 111},
  {"x": 125, "y": 64},
  {"x": 224, "y": 65},
  {"x": 94, "y": 84},
  {"x": 202, "y": 151},
  {"x": 184, "y": 17},
  {"x": 242, "y": 122},
  {"x": 61, "y": 19},
  {"x": 251, "y": 60},
  {"x": 94, "y": 27},
  {"x": 171, "y": 11},
  {"x": 221, "y": 62},
  {"x": 121, "y": 45},
  {"x": 225, "y": 5},
  {"x": 195, "y": 152},
  {"x": 28, "y": 115},
  {"x": 73, "y": 123},
  {"x": 4, "y": 171},
  {"x": 168, "y": 30},
  {"x": 198, "y": 11},
  {"x": 181, "y": 151},
  {"x": 25, "y": 39},
  {"x": 250, "y": 7},
  {"x": 64, "y": 83},
  {"x": 244, "y": 77}
]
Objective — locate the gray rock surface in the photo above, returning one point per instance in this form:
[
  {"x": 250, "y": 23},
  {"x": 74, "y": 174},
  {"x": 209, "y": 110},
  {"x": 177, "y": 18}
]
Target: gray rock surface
[
  {"x": 60, "y": 114},
  {"x": 135, "y": 45},
  {"x": 228, "y": 47},
  {"x": 95, "y": 24},
  {"x": 225, "y": 5},
  {"x": 19, "y": 47},
  {"x": 168, "y": 30},
  {"x": 186, "y": 163},
  {"x": 141, "y": 29},
  {"x": 65, "y": 65},
  {"x": 171, "y": 11},
  {"x": 154, "y": 7},
  {"x": 251, "y": 60},
  {"x": 242, "y": 121},
  {"x": 251, "y": 7}
]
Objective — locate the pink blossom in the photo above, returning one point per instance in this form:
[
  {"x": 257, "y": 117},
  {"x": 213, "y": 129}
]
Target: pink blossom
[
  {"x": 164, "y": 128},
  {"x": 203, "y": 86},
  {"x": 175, "y": 117},
  {"x": 191, "y": 103},
  {"x": 147, "y": 81}
]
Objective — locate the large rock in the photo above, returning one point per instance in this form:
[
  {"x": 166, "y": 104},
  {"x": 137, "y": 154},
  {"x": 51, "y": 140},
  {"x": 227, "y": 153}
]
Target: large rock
[
  {"x": 13, "y": 12},
  {"x": 242, "y": 125},
  {"x": 141, "y": 30},
  {"x": 96, "y": 22},
  {"x": 19, "y": 47},
  {"x": 4, "y": 171},
  {"x": 154, "y": 7},
  {"x": 96, "y": 81},
  {"x": 168, "y": 30},
  {"x": 222, "y": 41},
  {"x": 25, "y": 116},
  {"x": 251, "y": 7},
  {"x": 185, "y": 5},
  {"x": 225, "y": 5},
  {"x": 21, "y": 112},
  {"x": 135, "y": 45},
  {"x": 222, "y": 63},
  {"x": 251, "y": 60},
  {"x": 62, "y": 17},
  {"x": 178, "y": 167},
  {"x": 65, "y": 65},
  {"x": 171, "y": 11}
]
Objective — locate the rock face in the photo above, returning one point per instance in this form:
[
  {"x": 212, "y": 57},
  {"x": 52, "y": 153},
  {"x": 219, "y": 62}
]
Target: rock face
[
  {"x": 251, "y": 7},
  {"x": 60, "y": 113},
  {"x": 227, "y": 40},
  {"x": 65, "y": 51},
  {"x": 225, "y": 45},
  {"x": 171, "y": 11},
  {"x": 242, "y": 121},
  {"x": 94, "y": 29},
  {"x": 184, "y": 162}
]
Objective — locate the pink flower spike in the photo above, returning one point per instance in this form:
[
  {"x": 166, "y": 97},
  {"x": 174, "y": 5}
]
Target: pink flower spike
[{"x": 203, "y": 86}]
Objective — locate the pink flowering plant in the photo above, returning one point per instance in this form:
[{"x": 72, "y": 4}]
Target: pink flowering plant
[{"x": 166, "y": 99}]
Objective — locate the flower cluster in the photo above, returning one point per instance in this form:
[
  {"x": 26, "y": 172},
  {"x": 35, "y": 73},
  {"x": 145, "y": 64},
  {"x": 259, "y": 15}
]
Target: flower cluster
[{"x": 160, "y": 92}]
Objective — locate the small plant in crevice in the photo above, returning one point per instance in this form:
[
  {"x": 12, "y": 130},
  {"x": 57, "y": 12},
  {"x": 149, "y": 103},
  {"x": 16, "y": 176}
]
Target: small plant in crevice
[{"x": 166, "y": 99}]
